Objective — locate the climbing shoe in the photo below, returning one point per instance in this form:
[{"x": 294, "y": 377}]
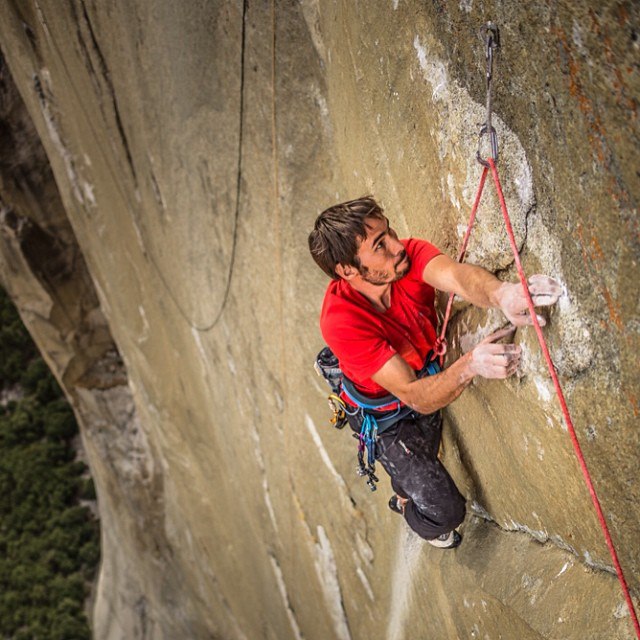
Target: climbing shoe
[
  {"x": 446, "y": 540},
  {"x": 394, "y": 504}
]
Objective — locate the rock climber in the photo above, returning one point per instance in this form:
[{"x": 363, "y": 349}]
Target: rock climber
[{"x": 378, "y": 318}]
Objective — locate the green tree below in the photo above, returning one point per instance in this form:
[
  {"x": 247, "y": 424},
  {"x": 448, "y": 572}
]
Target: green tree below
[{"x": 49, "y": 543}]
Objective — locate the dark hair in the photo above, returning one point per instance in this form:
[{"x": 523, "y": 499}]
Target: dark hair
[{"x": 338, "y": 232}]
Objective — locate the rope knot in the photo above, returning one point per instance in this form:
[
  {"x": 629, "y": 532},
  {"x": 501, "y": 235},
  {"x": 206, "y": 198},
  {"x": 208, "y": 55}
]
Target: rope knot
[{"x": 440, "y": 347}]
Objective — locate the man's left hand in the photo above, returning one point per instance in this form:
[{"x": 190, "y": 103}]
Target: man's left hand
[{"x": 544, "y": 291}]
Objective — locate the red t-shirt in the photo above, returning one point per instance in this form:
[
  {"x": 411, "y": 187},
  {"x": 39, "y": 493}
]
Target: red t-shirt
[{"x": 363, "y": 338}]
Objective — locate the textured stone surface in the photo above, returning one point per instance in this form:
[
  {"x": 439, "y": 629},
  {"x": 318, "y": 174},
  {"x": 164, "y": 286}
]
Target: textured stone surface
[{"x": 156, "y": 247}]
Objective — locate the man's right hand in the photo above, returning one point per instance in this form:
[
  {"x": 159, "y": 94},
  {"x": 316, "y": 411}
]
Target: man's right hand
[
  {"x": 429, "y": 394},
  {"x": 491, "y": 360}
]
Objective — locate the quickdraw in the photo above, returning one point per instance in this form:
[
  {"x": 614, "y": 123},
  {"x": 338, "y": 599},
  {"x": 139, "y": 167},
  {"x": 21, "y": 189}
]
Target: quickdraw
[
  {"x": 367, "y": 441},
  {"x": 491, "y": 36}
]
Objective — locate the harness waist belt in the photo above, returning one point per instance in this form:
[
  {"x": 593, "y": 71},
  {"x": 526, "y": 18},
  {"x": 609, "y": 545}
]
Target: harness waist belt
[{"x": 388, "y": 409}]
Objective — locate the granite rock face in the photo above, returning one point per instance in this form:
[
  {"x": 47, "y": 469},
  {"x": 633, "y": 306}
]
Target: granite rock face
[{"x": 161, "y": 166}]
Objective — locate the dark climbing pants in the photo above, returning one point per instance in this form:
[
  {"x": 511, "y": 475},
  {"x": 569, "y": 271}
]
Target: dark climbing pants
[{"x": 408, "y": 451}]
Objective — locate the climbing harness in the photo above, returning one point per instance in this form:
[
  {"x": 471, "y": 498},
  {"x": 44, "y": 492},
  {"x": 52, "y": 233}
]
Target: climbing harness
[
  {"x": 492, "y": 41},
  {"x": 368, "y": 417}
]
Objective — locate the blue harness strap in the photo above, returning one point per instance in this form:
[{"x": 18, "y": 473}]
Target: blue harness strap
[
  {"x": 429, "y": 368},
  {"x": 373, "y": 424},
  {"x": 386, "y": 419},
  {"x": 367, "y": 441}
]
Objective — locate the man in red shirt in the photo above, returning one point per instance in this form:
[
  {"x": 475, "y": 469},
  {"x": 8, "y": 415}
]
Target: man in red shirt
[{"x": 378, "y": 318}]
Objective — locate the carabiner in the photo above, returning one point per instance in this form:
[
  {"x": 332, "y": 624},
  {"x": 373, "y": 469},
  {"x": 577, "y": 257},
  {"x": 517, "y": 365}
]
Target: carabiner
[
  {"x": 491, "y": 36},
  {"x": 493, "y": 142}
]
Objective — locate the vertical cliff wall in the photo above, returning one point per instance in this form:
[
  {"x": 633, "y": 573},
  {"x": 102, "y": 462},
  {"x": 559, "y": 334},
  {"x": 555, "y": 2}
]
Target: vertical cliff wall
[{"x": 162, "y": 164}]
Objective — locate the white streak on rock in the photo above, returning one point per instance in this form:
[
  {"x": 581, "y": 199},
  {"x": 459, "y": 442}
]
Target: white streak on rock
[
  {"x": 479, "y": 510},
  {"x": 279, "y": 401},
  {"x": 622, "y": 611},
  {"x": 569, "y": 319},
  {"x": 560, "y": 543},
  {"x": 543, "y": 387},
  {"x": 267, "y": 501},
  {"x": 578, "y": 38},
  {"x": 327, "y": 571},
  {"x": 541, "y": 535},
  {"x": 365, "y": 583},
  {"x": 469, "y": 339},
  {"x": 282, "y": 587},
  {"x": 323, "y": 110},
  {"x": 434, "y": 70},
  {"x": 311, "y": 14},
  {"x": 56, "y": 139},
  {"x": 597, "y": 565},
  {"x": 451, "y": 183},
  {"x": 139, "y": 238},
  {"x": 144, "y": 334},
  {"x": 257, "y": 450},
  {"x": 364, "y": 549},
  {"x": 524, "y": 184},
  {"x": 88, "y": 189},
  {"x": 564, "y": 568},
  {"x": 532, "y": 586},
  {"x": 198, "y": 340},
  {"x": 324, "y": 456},
  {"x": 322, "y": 390},
  {"x": 404, "y": 572}
]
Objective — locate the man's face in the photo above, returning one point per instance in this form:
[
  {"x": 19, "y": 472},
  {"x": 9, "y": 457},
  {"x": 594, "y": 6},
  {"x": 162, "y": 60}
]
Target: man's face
[{"x": 382, "y": 256}]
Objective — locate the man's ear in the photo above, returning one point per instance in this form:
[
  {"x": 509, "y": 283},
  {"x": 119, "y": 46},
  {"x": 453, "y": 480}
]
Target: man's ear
[{"x": 346, "y": 271}]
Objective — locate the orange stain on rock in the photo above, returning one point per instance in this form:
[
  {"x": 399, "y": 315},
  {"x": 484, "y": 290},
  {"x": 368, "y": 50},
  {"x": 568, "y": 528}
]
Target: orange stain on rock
[
  {"x": 614, "y": 308},
  {"x": 597, "y": 249},
  {"x": 623, "y": 15},
  {"x": 634, "y": 404},
  {"x": 592, "y": 255},
  {"x": 596, "y": 133},
  {"x": 585, "y": 254}
]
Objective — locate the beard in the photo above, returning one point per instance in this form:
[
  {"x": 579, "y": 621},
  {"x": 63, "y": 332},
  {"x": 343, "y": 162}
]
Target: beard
[{"x": 381, "y": 277}]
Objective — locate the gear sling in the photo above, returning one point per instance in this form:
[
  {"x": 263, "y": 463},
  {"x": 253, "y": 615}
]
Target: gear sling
[{"x": 366, "y": 416}]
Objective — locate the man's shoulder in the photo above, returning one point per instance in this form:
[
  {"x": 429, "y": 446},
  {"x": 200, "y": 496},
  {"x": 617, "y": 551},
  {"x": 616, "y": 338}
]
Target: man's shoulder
[
  {"x": 340, "y": 297},
  {"x": 343, "y": 306},
  {"x": 420, "y": 252}
]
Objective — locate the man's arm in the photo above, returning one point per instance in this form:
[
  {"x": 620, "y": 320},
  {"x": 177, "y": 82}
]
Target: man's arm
[
  {"x": 483, "y": 289},
  {"x": 427, "y": 395}
]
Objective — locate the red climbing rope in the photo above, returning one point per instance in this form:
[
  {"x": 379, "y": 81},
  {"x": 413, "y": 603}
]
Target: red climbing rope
[
  {"x": 563, "y": 404},
  {"x": 440, "y": 347},
  {"x": 491, "y": 36},
  {"x": 552, "y": 370}
]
